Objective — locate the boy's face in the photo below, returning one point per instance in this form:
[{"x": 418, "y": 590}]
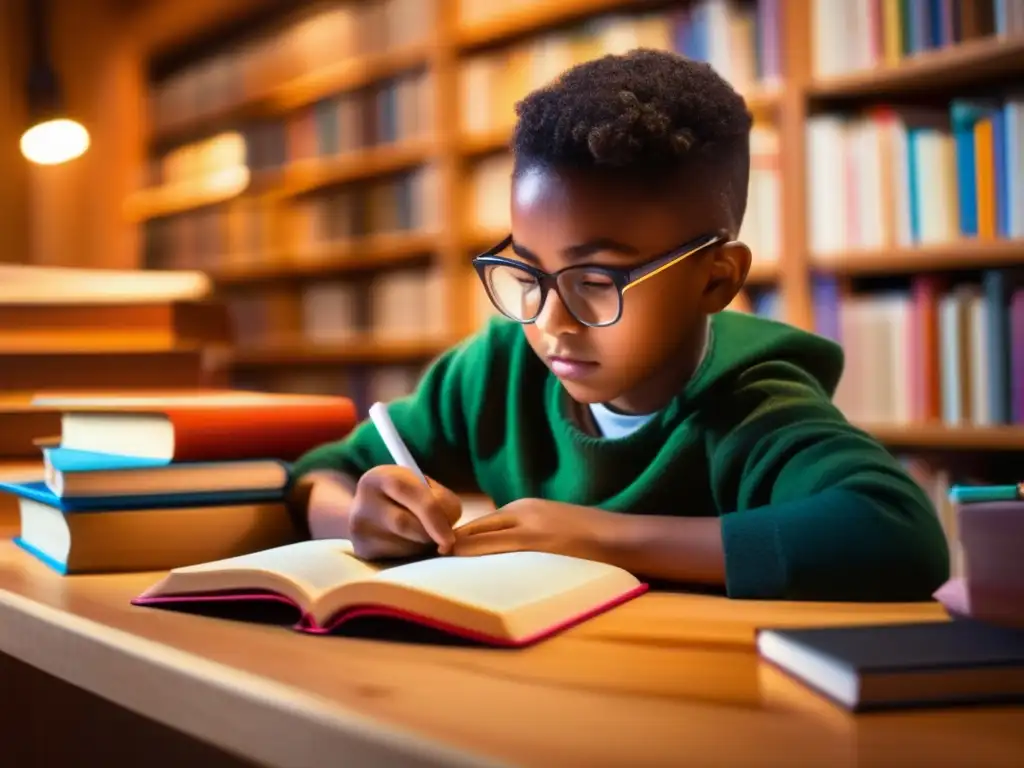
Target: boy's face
[{"x": 636, "y": 365}]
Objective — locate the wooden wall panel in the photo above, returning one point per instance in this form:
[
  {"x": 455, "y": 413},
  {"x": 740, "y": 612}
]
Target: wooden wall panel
[
  {"x": 100, "y": 50},
  {"x": 14, "y": 224}
]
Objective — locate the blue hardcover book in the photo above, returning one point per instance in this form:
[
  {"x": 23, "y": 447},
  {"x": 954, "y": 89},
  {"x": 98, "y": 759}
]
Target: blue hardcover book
[
  {"x": 143, "y": 533},
  {"x": 914, "y": 182},
  {"x": 74, "y": 474},
  {"x": 964, "y": 116},
  {"x": 39, "y": 492}
]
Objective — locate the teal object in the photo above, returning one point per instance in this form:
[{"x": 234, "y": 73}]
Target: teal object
[{"x": 974, "y": 494}]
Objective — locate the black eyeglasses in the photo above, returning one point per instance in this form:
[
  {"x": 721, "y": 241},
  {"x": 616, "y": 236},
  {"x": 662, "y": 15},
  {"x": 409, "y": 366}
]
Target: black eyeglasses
[{"x": 592, "y": 293}]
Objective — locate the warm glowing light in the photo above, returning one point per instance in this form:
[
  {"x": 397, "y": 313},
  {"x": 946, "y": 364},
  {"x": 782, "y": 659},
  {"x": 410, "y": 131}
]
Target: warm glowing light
[{"x": 54, "y": 142}]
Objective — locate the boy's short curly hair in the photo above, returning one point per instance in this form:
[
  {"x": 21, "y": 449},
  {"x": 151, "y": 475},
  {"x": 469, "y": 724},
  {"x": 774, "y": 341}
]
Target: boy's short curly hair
[{"x": 648, "y": 116}]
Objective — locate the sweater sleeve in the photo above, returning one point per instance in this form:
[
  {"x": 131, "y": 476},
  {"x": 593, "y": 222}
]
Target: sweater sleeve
[
  {"x": 432, "y": 421},
  {"x": 814, "y": 508}
]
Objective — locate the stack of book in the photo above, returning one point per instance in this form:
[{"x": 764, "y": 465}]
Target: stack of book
[
  {"x": 990, "y": 523},
  {"x": 976, "y": 658},
  {"x": 138, "y": 483}
]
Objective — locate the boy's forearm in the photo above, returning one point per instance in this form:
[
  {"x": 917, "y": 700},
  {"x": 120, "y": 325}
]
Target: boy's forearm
[
  {"x": 679, "y": 549},
  {"x": 320, "y": 503}
]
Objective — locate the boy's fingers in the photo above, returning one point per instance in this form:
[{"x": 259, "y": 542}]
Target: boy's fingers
[
  {"x": 428, "y": 506},
  {"x": 496, "y": 521},
  {"x": 383, "y": 543},
  {"x": 488, "y": 543},
  {"x": 401, "y": 522},
  {"x": 450, "y": 501}
]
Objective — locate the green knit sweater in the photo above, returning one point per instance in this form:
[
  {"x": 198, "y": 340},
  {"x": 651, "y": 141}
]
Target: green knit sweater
[{"x": 810, "y": 506}]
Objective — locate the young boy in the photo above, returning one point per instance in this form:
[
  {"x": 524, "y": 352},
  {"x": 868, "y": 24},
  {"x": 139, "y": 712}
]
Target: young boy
[{"x": 619, "y": 414}]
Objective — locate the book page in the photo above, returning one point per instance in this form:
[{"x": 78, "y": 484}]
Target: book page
[
  {"x": 300, "y": 571},
  {"x": 498, "y": 583},
  {"x": 512, "y": 595}
]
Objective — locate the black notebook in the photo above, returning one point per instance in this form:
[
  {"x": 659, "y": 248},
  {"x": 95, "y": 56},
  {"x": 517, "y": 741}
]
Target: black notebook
[{"x": 902, "y": 665}]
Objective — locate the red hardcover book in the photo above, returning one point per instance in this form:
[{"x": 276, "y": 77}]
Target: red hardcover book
[{"x": 216, "y": 427}]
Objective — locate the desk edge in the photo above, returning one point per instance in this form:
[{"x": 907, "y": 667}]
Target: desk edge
[{"x": 268, "y": 721}]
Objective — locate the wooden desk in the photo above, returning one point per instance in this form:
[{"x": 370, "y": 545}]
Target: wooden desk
[{"x": 663, "y": 680}]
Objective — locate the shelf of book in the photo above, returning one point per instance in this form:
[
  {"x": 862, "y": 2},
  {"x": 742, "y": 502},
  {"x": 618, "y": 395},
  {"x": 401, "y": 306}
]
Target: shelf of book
[
  {"x": 298, "y": 177},
  {"x": 347, "y": 74},
  {"x": 313, "y": 174},
  {"x": 486, "y": 57},
  {"x": 972, "y": 62},
  {"x": 375, "y": 252},
  {"x": 173, "y": 199}
]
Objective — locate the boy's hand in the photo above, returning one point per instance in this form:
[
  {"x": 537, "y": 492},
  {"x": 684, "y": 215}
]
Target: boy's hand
[
  {"x": 541, "y": 526},
  {"x": 394, "y": 515}
]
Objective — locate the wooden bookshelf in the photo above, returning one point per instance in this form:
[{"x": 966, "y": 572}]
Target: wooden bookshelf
[
  {"x": 522, "y": 20},
  {"x": 445, "y": 50},
  {"x": 975, "y": 62},
  {"x": 181, "y": 198},
  {"x": 357, "y": 350},
  {"x": 939, "y": 437},
  {"x": 476, "y": 144},
  {"x": 762, "y": 272},
  {"x": 305, "y": 176},
  {"x": 348, "y": 74},
  {"x": 365, "y": 255},
  {"x": 965, "y": 255}
]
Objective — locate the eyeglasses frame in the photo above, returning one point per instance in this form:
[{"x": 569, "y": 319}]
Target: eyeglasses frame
[{"x": 622, "y": 277}]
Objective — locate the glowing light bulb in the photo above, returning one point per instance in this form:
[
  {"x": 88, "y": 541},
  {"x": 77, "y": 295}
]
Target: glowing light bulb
[{"x": 54, "y": 141}]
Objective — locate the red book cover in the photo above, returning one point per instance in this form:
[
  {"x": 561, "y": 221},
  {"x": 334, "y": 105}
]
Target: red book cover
[
  {"x": 925, "y": 368},
  {"x": 236, "y": 427}
]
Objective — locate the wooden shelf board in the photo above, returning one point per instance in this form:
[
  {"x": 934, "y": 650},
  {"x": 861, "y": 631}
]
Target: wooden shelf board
[
  {"x": 169, "y": 200},
  {"x": 521, "y": 19},
  {"x": 359, "y": 349},
  {"x": 763, "y": 100},
  {"x": 485, "y": 142},
  {"x": 479, "y": 240},
  {"x": 299, "y": 177},
  {"x": 348, "y": 75},
  {"x": 304, "y": 176},
  {"x": 366, "y": 254},
  {"x": 945, "y": 438},
  {"x": 967, "y": 254},
  {"x": 343, "y": 76},
  {"x": 85, "y": 347},
  {"x": 762, "y": 271},
  {"x": 970, "y": 62}
]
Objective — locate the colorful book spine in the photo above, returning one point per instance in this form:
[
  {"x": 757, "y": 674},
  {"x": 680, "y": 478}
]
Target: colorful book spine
[
  {"x": 903, "y": 177},
  {"x": 931, "y": 351}
]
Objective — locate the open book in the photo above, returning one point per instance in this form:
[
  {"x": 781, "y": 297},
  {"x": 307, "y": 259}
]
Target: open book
[{"x": 510, "y": 599}]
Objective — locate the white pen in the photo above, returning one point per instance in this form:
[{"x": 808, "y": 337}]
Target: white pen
[{"x": 399, "y": 451}]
